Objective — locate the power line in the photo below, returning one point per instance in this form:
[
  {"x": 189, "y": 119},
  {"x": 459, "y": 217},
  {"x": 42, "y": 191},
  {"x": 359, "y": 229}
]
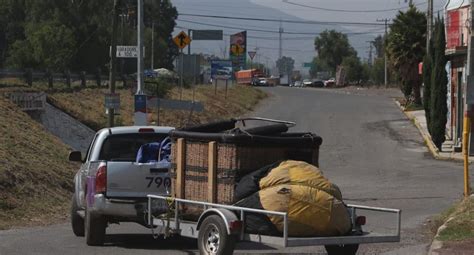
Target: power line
[
  {"x": 343, "y": 10},
  {"x": 283, "y": 20},
  {"x": 272, "y": 31}
]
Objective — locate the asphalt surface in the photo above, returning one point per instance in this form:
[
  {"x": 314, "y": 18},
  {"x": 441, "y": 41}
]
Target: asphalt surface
[{"x": 370, "y": 150}]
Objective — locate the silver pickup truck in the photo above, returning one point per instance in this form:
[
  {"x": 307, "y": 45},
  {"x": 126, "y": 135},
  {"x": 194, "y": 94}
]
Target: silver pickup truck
[{"x": 114, "y": 179}]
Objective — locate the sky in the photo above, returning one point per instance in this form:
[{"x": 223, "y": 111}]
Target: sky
[{"x": 263, "y": 36}]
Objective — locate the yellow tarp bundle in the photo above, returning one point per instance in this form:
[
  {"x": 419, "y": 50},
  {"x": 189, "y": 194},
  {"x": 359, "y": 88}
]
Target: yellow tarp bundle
[{"x": 314, "y": 205}]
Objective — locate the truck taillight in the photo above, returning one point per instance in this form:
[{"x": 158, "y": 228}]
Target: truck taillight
[
  {"x": 360, "y": 221},
  {"x": 101, "y": 180}
]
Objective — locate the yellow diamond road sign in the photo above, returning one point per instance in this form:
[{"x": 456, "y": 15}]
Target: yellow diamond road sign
[{"x": 182, "y": 40}]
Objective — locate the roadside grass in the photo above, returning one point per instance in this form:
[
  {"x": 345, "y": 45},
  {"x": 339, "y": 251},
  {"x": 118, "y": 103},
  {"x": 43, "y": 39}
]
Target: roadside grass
[
  {"x": 460, "y": 225},
  {"x": 35, "y": 176},
  {"x": 87, "y": 105},
  {"x": 408, "y": 107},
  {"x": 36, "y": 180}
]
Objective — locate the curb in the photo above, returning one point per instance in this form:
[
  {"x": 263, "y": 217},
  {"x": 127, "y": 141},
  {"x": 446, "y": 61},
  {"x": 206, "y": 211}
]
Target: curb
[
  {"x": 426, "y": 137},
  {"x": 436, "y": 244}
]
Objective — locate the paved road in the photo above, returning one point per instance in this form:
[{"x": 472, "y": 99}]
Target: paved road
[{"x": 370, "y": 150}]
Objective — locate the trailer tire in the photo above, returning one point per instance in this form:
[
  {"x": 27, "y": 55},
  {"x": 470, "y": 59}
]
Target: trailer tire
[
  {"x": 345, "y": 249},
  {"x": 77, "y": 222},
  {"x": 213, "y": 237},
  {"x": 94, "y": 229}
]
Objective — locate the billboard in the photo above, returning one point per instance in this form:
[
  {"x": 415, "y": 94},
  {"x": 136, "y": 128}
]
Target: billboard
[
  {"x": 238, "y": 50},
  {"x": 221, "y": 69}
]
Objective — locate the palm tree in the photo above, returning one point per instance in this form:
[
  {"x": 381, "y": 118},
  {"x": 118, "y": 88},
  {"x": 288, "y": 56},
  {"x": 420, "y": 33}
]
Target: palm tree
[{"x": 405, "y": 47}]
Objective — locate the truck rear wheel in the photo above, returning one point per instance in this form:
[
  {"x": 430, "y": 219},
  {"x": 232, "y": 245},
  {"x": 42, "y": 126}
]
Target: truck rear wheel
[
  {"x": 213, "y": 237},
  {"x": 77, "y": 222},
  {"x": 94, "y": 229},
  {"x": 345, "y": 249}
]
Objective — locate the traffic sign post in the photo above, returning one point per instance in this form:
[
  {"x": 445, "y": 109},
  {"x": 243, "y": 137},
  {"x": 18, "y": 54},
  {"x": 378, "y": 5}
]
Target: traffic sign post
[
  {"x": 181, "y": 40},
  {"x": 251, "y": 55},
  {"x": 127, "y": 51}
]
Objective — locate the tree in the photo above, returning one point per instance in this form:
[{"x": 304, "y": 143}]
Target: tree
[
  {"x": 163, "y": 14},
  {"x": 405, "y": 48},
  {"x": 285, "y": 65},
  {"x": 377, "y": 71},
  {"x": 427, "y": 77},
  {"x": 12, "y": 15},
  {"x": 319, "y": 65},
  {"x": 439, "y": 81},
  {"x": 332, "y": 47},
  {"x": 355, "y": 71},
  {"x": 379, "y": 46},
  {"x": 76, "y": 35}
]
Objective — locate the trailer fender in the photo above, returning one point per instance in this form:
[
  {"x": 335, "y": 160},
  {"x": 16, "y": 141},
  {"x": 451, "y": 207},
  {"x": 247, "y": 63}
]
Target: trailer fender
[{"x": 232, "y": 223}]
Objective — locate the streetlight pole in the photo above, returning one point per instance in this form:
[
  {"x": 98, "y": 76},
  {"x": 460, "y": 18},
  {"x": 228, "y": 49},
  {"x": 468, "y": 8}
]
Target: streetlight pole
[
  {"x": 140, "y": 98},
  {"x": 113, "y": 59}
]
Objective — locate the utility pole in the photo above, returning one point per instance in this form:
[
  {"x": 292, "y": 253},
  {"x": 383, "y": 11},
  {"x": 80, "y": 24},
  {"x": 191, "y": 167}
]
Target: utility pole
[
  {"x": 370, "y": 52},
  {"x": 113, "y": 58},
  {"x": 152, "y": 44},
  {"x": 140, "y": 98},
  {"x": 429, "y": 26},
  {"x": 384, "y": 53},
  {"x": 469, "y": 100},
  {"x": 280, "y": 49},
  {"x": 140, "y": 48}
]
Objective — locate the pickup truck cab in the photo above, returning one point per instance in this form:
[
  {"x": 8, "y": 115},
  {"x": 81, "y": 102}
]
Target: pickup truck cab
[{"x": 114, "y": 179}]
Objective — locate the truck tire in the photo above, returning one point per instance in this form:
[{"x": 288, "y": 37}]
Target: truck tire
[
  {"x": 347, "y": 249},
  {"x": 213, "y": 237},
  {"x": 77, "y": 222},
  {"x": 94, "y": 229}
]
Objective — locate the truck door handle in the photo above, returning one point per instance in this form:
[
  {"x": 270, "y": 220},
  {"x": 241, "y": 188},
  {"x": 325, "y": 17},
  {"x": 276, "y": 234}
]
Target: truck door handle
[{"x": 158, "y": 170}]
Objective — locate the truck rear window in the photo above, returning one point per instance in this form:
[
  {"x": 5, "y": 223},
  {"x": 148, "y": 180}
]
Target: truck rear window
[{"x": 124, "y": 147}]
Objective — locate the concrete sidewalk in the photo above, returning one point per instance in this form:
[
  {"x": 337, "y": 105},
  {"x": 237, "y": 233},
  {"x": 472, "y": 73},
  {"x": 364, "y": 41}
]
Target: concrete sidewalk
[{"x": 448, "y": 152}]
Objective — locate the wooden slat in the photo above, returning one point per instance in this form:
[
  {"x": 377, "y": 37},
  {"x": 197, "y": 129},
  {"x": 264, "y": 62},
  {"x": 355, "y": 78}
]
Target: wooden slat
[
  {"x": 212, "y": 173},
  {"x": 180, "y": 165}
]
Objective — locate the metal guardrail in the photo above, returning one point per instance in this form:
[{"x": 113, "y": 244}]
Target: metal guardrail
[{"x": 28, "y": 101}]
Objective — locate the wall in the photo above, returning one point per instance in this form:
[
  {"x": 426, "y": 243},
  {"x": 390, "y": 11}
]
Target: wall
[{"x": 68, "y": 129}]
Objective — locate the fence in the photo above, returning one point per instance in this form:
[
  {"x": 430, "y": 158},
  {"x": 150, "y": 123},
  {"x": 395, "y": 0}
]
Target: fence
[{"x": 67, "y": 77}]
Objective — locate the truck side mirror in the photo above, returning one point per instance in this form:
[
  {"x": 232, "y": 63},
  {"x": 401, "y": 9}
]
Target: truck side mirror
[{"x": 75, "y": 156}]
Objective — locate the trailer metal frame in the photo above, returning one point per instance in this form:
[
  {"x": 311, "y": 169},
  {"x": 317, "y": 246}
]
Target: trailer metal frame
[{"x": 229, "y": 213}]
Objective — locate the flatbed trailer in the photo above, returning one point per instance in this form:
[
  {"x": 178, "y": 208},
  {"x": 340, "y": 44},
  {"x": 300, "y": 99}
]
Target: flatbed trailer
[{"x": 220, "y": 226}]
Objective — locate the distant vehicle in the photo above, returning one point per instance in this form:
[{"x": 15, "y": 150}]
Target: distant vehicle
[
  {"x": 297, "y": 84},
  {"x": 260, "y": 82},
  {"x": 284, "y": 80},
  {"x": 116, "y": 175},
  {"x": 330, "y": 83},
  {"x": 317, "y": 84},
  {"x": 307, "y": 82},
  {"x": 150, "y": 73}
]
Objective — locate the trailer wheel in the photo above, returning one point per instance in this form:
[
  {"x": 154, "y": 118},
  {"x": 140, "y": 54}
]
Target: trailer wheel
[
  {"x": 345, "y": 249},
  {"x": 77, "y": 222},
  {"x": 94, "y": 229},
  {"x": 213, "y": 237}
]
